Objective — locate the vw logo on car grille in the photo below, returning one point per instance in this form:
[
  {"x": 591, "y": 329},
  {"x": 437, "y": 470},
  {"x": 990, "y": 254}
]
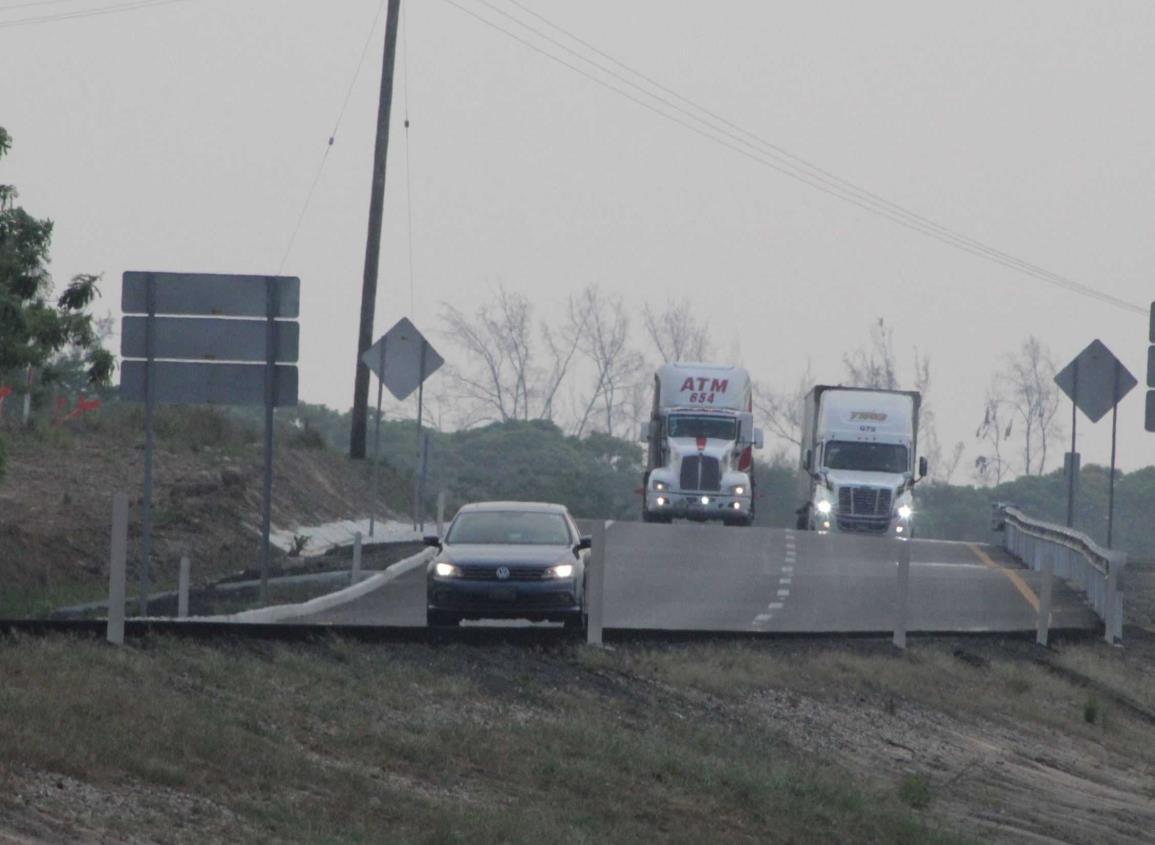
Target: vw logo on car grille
[{"x": 502, "y": 573}]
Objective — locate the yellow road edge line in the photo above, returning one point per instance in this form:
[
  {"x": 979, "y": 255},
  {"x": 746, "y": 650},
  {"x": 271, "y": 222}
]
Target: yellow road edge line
[{"x": 1014, "y": 577}]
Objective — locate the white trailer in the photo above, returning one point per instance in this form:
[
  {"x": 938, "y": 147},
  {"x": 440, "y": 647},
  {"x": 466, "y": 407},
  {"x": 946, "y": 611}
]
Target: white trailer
[
  {"x": 701, "y": 437},
  {"x": 858, "y": 460}
]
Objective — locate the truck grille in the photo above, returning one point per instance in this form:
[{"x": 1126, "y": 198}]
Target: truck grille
[
  {"x": 864, "y": 501},
  {"x": 700, "y": 472}
]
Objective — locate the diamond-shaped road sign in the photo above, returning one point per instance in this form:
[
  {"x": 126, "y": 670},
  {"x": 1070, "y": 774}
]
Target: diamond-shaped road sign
[
  {"x": 402, "y": 358},
  {"x": 1096, "y": 380}
]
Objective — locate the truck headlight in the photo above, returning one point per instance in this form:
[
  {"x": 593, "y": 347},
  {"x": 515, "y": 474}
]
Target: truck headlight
[
  {"x": 562, "y": 570},
  {"x": 824, "y": 507},
  {"x": 660, "y": 486},
  {"x": 444, "y": 569},
  {"x": 738, "y": 490},
  {"x": 905, "y": 511}
]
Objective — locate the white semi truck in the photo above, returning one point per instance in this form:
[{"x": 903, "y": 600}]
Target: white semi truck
[
  {"x": 701, "y": 437},
  {"x": 858, "y": 460}
]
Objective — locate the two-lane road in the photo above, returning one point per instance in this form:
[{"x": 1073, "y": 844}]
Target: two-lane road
[
  {"x": 705, "y": 577},
  {"x": 689, "y": 577}
]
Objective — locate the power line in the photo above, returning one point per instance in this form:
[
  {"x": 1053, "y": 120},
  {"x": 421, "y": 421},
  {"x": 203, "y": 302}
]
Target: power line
[
  {"x": 88, "y": 13},
  {"x": 332, "y": 138},
  {"x": 778, "y": 159}
]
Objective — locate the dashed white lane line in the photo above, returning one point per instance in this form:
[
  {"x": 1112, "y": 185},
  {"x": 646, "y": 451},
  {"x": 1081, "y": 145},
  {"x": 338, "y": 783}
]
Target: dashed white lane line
[
  {"x": 787, "y": 568},
  {"x": 783, "y": 593},
  {"x": 786, "y": 580},
  {"x": 762, "y": 618},
  {"x": 775, "y": 605}
]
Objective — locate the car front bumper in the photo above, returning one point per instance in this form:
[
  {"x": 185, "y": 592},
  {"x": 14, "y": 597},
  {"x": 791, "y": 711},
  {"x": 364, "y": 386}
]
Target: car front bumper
[{"x": 555, "y": 598}]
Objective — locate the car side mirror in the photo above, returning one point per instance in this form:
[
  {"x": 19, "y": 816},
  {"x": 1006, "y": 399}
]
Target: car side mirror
[
  {"x": 807, "y": 459},
  {"x": 759, "y": 439},
  {"x": 585, "y": 542},
  {"x": 433, "y": 541},
  {"x": 922, "y": 467},
  {"x": 644, "y": 433}
]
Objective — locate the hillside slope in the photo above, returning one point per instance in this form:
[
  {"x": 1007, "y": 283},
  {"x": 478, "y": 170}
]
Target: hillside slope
[{"x": 56, "y": 498}]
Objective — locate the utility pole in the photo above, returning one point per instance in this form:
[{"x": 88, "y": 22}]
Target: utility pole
[{"x": 373, "y": 242}]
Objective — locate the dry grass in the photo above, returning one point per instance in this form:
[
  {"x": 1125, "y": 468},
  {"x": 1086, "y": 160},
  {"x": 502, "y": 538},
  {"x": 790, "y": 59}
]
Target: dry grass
[{"x": 339, "y": 742}]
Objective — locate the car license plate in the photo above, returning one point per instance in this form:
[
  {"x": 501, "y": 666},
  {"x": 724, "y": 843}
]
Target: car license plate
[{"x": 504, "y": 595}]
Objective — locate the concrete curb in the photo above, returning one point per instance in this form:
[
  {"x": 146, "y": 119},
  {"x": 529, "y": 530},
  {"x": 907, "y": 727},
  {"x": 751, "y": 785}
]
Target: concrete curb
[{"x": 281, "y": 612}]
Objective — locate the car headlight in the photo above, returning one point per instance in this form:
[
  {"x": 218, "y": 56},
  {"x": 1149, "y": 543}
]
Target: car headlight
[
  {"x": 444, "y": 569},
  {"x": 905, "y": 511},
  {"x": 660, "y": 486},
  {"x": 562, "y": 570},
  {"x": 738, "y": 490},
  {"x": 824, "y": 507}
]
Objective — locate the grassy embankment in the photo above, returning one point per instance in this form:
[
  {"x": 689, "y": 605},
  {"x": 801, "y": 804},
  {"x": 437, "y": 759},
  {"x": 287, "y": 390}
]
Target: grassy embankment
[{"x": 339, "y": 742}]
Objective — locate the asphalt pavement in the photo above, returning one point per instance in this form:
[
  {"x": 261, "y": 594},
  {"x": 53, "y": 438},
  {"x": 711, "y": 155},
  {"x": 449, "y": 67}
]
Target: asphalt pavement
[{"x": 702, "y": 577}]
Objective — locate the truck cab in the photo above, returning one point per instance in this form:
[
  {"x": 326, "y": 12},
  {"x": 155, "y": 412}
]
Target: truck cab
[
  {"x": 701, "y": 437},
  {"x": 858, "y": 461}
]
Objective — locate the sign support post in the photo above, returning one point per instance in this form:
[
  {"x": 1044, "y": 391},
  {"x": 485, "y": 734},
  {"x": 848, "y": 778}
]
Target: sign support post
[
  {"x": 270, "y": 404},
  {"x": 377, "y": 447},
  {"x": 1114, "y": 437},
  {"x": 145, "y": 573},
  {"x": 1074, "y": 470}
]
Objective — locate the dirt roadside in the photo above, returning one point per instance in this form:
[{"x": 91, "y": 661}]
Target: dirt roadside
[{"x": 55, "y": 500}]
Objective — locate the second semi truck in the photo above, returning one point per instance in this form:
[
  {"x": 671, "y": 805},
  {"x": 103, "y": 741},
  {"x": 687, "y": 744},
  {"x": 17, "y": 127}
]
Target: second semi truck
[{"x": 858, "y": 460}]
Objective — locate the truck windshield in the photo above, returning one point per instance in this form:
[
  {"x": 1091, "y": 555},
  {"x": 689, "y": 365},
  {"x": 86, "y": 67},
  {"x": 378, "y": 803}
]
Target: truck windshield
[
  {"x": 720, "y": 428},
  {"x": 866, "y": 457},
  {"x": 510, "y": 528}
]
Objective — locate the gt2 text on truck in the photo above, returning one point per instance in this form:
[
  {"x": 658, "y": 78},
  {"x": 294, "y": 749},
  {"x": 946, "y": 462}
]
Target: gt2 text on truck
[
  {"x": 701, "y": 436},
  {"x": 858, "y": 452}
]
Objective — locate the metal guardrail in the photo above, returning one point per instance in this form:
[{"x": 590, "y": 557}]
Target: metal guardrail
[{"x": 1072, "y": 556}]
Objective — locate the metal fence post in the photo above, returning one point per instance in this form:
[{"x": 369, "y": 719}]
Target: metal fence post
[
  {"x": 117, "y": 564},
  {"x": 1110, "y": 610},
  {"x": 1048, "y": 569},
  {"x": 595, "y": 584},
  {"x": 356, "y": 572},
  {"x": 902, "y": 594},
  {"x": 441, "y": 514},
  {"x": 182, "y": 589}
]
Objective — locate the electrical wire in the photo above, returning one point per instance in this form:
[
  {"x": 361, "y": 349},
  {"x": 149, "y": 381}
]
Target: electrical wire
[
  {"x": 776, "y": 158},
  {"x": 88, "y": 13},
  {"x": 332, "y": 137}
]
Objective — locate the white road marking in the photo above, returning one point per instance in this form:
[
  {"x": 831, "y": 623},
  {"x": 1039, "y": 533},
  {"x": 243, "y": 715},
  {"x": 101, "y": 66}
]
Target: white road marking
[
  {"x": 609, "y": 522},
  {"x": 775, "y": 605},
  {"x": 783, "y": 593},
  {"x": 786, "y": 580},
  {"x": 762, "y": 618},
  {"x": 787, "y": 568}
]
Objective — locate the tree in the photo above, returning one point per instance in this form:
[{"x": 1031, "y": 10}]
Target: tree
[
  {"x": 1027, "y": 387},
  {"x": 873, "y": 365},
  {"x": 781, "y": 411},
  {"x": 1021, "y": 414},
  {"x": 616, "y": 367},
  {"x": 677, "y": 334},
  {"x": 498, "y": 340},
  {"x": 35, "y": 331}
]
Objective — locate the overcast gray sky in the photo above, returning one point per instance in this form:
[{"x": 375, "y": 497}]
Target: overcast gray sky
[{"x": 185, "y": 136}]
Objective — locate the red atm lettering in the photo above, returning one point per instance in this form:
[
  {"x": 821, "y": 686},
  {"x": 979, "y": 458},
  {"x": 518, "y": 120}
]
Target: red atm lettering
[{"x": 704, "y": 385}]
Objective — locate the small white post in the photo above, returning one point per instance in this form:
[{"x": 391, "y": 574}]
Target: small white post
[
  {"x": 182, "y": 589},
  {"x": 117, "y": 565},
  {"x": 1044, "y": 626},
  {"x": 902, "y": 594},
  {"x": 1110, "y": 611},
  {"x": 441, "y": 514},
  {"x": 595, "y": 584},
  {"x": 356, "y": 573}
]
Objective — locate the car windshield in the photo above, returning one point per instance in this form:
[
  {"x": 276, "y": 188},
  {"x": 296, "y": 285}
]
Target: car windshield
[
  {"x": 867, "y": 457},
  {"x": 720, "y": 428},
  {"x": 514, "y": 528}
]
